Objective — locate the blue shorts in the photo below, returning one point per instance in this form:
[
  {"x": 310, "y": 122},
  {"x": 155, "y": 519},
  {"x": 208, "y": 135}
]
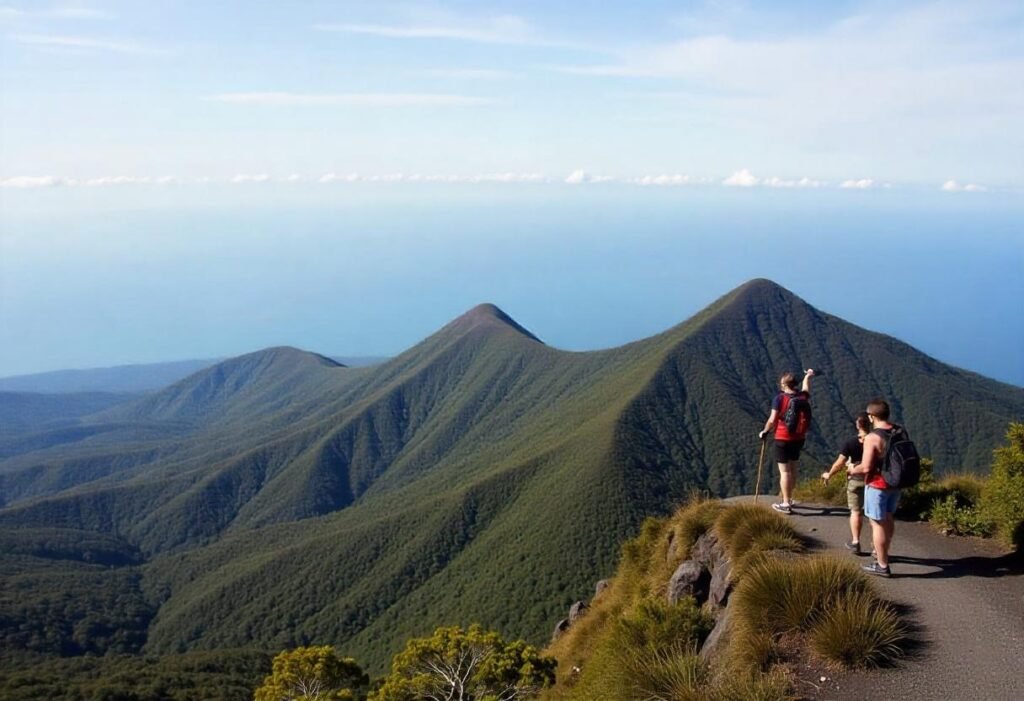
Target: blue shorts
[{"x": 879, "y": 502}]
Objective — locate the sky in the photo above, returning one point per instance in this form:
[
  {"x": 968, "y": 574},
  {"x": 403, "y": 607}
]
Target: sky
[{"x": 190, "y": 179}]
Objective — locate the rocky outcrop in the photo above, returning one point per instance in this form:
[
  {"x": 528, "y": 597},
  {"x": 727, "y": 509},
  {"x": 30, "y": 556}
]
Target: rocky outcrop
[
  {"x": 690, "y": 579},
  {"x": 706, "y": 575},
  {"x": 576, "y": 611}
]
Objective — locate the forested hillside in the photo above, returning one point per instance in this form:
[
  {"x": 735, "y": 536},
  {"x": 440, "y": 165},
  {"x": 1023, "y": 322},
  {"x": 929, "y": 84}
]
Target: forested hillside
[{"x": 280, "y": 498}]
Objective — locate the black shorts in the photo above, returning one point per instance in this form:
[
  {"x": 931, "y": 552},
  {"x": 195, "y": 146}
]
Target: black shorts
[{"x": 788, "y": 451}]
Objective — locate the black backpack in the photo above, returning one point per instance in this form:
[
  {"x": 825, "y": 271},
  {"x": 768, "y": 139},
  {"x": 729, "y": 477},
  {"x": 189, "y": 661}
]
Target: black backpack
[
  {"x": 901, "y": 464},
  {"x": 797, "y": 417}
]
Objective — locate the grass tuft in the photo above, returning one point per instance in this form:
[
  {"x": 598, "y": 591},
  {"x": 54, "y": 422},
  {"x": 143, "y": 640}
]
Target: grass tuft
[{"x": 859, "y": 631}]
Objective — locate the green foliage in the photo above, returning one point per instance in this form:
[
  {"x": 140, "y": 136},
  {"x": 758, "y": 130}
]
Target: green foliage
[
  {"x": 655, "y": 624},
  {"x": 858, "y": 630},
  {"x": 954, "y": 518},
  {"x": 825, "y": 599},
  {"x": 277, "y": 499},
  {"x": 748, "y": 530},
  {"x": 226, "y": 675},
  {"x": 314, "y": 673},
  {"x": 814, "y": 490},
  {"x": 470, "y": 664},
  {"x": 1002, "y": 499}
]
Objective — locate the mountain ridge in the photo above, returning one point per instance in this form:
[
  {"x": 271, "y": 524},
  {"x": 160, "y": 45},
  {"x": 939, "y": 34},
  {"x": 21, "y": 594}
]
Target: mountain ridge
[{"x": 477, "y": 469}]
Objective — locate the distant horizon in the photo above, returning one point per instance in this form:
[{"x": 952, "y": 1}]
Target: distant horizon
[{"x": 384, "y": 357}]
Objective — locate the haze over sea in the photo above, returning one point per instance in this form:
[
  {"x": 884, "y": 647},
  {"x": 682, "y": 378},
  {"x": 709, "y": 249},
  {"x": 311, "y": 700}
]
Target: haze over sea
[
  {"x": 195, "y": 180},
  {"x": 369, "y": 269}
]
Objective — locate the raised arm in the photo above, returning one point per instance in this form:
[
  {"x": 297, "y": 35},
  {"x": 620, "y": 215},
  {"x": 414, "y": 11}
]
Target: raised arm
[{"x": 806, "y": 386}]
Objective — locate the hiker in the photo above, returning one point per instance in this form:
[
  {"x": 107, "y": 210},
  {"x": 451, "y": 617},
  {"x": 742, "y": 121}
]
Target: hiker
[
  {"x": 851, "y": 455},
  {"x": 880, "y": 499},
  {"x": 790, "y": 418}
]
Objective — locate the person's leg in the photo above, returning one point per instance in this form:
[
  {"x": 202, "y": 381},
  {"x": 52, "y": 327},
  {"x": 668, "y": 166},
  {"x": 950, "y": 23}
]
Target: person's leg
[
  {"x": 891, "y": 500},
  {"x": 882, "y": 532},
  {"x": 856, "y": 524},
  {"x": 875, "y": 509},
  {"x": 788, "y": 481}
]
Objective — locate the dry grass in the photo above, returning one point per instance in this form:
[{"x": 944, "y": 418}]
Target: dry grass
[{"x": 859, "y": 631}]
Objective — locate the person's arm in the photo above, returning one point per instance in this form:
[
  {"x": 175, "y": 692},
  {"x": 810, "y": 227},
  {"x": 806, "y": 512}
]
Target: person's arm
[
  {"x": 806, "y": 386},
  {"x": 872, "y": 453},
  {"x": 769, "y": 425},
  {"x": 836, "y": 466}
]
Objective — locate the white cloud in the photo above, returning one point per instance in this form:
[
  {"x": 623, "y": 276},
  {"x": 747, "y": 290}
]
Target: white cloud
[
  {"x": 741, "y": 178},
  {"x": 242, "y": 178},
  {"x": 954, "y": 186},
  {"x": 32, "y": 181},
  {"x": 907, "y": 88},
  {"x": 130, "y": 180},
  {"x": 79, "y": 42},
  {"x": 668, "y": 180},
  {"x": 293, "y": 178},
  {"x": 354, "y": 99},
  {"x": 776, "y": 181},
  {"x": 861, "y": 184},
  {"x": 505, "y": 29},
  {"x": 579, "y": 177}
]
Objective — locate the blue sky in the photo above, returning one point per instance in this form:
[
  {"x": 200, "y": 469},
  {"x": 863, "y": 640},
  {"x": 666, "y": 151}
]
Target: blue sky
[
  {"x": 788, "y": 93},
  {"x": 195, "y": 179}
]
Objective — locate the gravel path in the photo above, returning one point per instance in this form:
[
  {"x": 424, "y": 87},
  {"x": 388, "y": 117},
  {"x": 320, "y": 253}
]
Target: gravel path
[{"x": 964, "y": 595}]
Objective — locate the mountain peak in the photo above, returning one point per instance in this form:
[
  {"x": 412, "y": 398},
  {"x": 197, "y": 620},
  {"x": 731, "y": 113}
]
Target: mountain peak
[{"x": 489, "y": 315}]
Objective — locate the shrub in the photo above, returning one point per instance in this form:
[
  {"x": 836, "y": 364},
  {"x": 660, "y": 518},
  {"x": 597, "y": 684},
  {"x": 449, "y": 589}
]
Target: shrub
[
  {"x": 858, "y": 631},
  {"x": 1002, "y": 499},
  {"x": 746, "y": 530},
  {"x": 816, "y": 491},
  {"x": 673, "y": 674},
  {"x": 739, "y": 526},
  {"x": 954, "y": 519},
  {"x": 313, "y": 673},
  {"x": 471, "y": 663},
  {"x": 656, "y": 624},
  {"x": 781, "y": 596}
]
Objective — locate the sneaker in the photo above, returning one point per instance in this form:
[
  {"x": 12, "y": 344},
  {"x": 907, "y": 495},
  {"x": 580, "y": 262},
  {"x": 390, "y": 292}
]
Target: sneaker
[
  {"x": 782, "y": 508},
  {"x": 875, "y": 568},
  {"x": 854, "y": 548}
]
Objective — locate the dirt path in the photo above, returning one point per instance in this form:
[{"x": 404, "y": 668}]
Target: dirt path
[{"x": 965, "y": 597}]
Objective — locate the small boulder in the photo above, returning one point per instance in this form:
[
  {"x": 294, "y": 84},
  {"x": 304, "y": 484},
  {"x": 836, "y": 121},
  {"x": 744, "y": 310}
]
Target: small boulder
[
  {"x": 600, "y": 587},
  {"x": 560, "y": 628},
  {"x": 707, "y": 551},
  {"x": 690, "y": 579},
  {"x": 577, "y": 610},
  {"x": 721, "y": 584}
]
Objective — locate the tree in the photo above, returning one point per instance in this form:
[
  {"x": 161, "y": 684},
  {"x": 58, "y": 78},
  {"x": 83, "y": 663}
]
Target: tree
[
  {"x": 1002, "y": 499},
  {"x": 466, "y": 665},
  {"x": 313, "y": 674}
]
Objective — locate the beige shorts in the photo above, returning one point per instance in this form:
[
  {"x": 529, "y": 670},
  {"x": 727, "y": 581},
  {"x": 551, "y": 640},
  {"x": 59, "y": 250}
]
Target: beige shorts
[{"x": 855, "y": 494}]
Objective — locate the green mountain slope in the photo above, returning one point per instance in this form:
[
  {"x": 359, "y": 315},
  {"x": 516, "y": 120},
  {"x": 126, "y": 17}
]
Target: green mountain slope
[{"x": 479, "y": 476}]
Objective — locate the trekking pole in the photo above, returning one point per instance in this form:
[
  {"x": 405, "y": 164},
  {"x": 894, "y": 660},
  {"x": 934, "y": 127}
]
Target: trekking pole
[{"x": 760, "y": 463}]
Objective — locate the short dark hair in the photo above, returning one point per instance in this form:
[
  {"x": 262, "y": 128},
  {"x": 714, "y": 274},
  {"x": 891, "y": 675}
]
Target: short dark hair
[
  {"x": 863, "y": 422},
  {"x": 788, "y": 380},
  {"x": 879, "y": 408}
]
